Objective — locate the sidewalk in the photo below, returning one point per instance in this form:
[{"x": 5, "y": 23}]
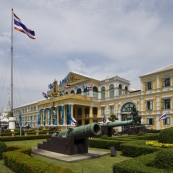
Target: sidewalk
[{"x": 69, "y": 158}]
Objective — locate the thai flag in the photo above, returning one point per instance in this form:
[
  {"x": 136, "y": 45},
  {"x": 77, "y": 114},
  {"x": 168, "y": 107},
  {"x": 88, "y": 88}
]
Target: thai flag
[
  {"x": 44, "y": 95},
  {"x": 163, "y": 117},
  {"x": 89, "y": 87},
  {"x": 68, "y": 86},
  {"x": 18, "y": 25},
  {"x": 104, "y": 119},
  {"x": 73, "y": 120}
]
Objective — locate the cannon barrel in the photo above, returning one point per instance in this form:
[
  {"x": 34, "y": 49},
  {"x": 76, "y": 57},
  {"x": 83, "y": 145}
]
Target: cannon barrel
[
  {"x": 81, "y": 132},
  {"x": 116, "y": 124}
]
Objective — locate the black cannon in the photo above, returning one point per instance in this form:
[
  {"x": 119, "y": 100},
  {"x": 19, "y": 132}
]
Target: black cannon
[
  {"x": 107, "y": 128},
  {"x": 73, "y": 140}
]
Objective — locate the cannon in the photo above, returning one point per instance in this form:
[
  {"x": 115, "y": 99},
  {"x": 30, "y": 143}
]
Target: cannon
[
  {"x": 73, "y": 140},
  {"x": 107, "y": 128}
]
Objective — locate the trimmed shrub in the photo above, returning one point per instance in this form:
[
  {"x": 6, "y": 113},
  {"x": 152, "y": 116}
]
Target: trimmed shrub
[
  {"x": 19, "y": 161},
  {"x": 137, "y": 165},
  {"x": 164, "y": 159},
  {"x": 137, "y": 148},
  {"x": 141, "y": 133},
  {"x": 104, "y": 137},
  {"x": 166, "y": 136},
  {"x": 3, "y": 148}
]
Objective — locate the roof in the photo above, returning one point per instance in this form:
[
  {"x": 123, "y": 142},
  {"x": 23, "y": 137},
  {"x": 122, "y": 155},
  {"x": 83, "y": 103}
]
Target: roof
[
  {"x": 160, "y": 70},
  {"x": 83, "y": 75}
]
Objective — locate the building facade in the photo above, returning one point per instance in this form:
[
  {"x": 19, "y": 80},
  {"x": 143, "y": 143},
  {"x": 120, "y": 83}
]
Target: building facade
[{"x": 89, "y": 100}]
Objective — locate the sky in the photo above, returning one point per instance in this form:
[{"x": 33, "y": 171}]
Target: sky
[{"x": 98, "y": 38}]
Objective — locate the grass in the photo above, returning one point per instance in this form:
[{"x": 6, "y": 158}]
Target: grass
[{"x": 95, "y": 165}]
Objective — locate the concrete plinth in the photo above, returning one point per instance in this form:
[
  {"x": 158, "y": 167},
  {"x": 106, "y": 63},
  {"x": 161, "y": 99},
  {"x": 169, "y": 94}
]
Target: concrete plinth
[{"x": 12, "y": 121}]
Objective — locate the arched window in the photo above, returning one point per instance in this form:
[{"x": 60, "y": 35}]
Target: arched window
[
  {"x": 111, "y": 90},
  {"x": 128, "y": 107},
  {"x": 103, "y": 93},
  {"x": 126, "y": 90},
  {"x": 66, "y": 92},
  {"x": 120, "y": 89},
  {"x": 95, "y": 92},
  {"x": 72, "y": 91},
  {"x": 79, "y": 91}
]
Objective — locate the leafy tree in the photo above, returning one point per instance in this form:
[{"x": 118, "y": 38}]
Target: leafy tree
[{"x": 112, "y": 118}]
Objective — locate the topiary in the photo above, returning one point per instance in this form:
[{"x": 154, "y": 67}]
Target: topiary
[
  {"x": 163, "y": 160},
  {"x": 166, "y": 136},
  {"x": 141, "y": 133},
  {"x": 104, "y": 137},
  {"x": 3, "y": 148}
]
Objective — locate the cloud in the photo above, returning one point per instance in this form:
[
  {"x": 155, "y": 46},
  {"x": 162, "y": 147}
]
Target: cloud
[{"x": 97, "y": 38}]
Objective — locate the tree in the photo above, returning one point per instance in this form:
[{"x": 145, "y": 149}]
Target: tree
[{"x": 112, "y": 118}]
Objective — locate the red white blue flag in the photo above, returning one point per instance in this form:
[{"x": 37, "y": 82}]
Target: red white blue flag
[
  {"x": 163, "y": 117},
  {"x": 18, "y": 25},
  {"x": 44, "y": 95},
  {"x": 68, "y": 86},
  {"x": 73, "y": 121}
]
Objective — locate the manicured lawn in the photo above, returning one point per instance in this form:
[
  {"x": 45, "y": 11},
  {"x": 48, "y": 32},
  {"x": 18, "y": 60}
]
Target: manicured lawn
[{"x": 96, "y": 165}]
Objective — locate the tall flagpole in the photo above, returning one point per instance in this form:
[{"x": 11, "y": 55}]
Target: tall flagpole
[
  {"x": 12, "y": 64},
  {"x": 12, "y": 119}
]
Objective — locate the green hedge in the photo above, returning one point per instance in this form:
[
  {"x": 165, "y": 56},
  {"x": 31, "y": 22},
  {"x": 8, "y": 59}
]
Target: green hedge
[
  {"x": 19, "y": 161},
  {"x": 20, "y": 138},
  {"x": 137, "y": 148},
  {"x": 137, "y": 165},
  {"x": 105, "y": 144}
]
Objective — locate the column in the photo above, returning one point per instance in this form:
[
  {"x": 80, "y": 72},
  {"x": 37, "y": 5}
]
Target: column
[
  {"x": 91, "y": 115},
  {"x": 99, "y": 92},
  {"x": 91, "y": 93},
  {"x": 157, "y": 84},
  {"x": 51, "y": 117},
  {"x": 41, "y": 113}
]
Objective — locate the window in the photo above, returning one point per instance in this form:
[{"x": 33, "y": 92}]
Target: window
[
  {"x": 150, "y": 121},
  {"x": 95, "y": 92},
  {"x": 149, "y": 85},
  {"x": 128, "y": 107},
  {"x": 79, "y": 91},
  {"x": 166, "y": 121},
  {"x": 103, "y": 93},
  {"x": 111, "y": 110},
  {"x": 126, "y": 90},
  {"x": 111, "y": 91},
  {"x": 102, "y": 110},
  {"x": 166, "y": 82},
  {"x": 86, "y": 92},
  {"x": 72, "y": 92},
  {"x": 120, "y": 89},
  {"x": 166, "y": 103},
  {"x": 150, "y": 105}
]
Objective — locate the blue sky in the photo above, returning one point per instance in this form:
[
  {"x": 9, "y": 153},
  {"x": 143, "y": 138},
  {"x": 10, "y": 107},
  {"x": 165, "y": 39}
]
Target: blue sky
[{"x": 95, "y": 37}]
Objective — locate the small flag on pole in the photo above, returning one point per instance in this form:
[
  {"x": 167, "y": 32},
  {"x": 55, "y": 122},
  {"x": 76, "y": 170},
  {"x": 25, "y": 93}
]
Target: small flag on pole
[
  {"x": 89, "y": 87},
  {"x": 68, "y": 86},
  {"x": 163, "y": 117},
  {"x": 44, "y": 95},
  {"x": 73, "y": 120},
  {"x": 18, "y": 25}
]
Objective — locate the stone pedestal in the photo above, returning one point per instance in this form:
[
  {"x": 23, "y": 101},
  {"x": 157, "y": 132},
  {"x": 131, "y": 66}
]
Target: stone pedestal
[{"x": 12, "y": 121}]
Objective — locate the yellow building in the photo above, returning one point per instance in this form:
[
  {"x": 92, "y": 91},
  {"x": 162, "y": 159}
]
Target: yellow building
[{"x": 89, "y": 100}]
